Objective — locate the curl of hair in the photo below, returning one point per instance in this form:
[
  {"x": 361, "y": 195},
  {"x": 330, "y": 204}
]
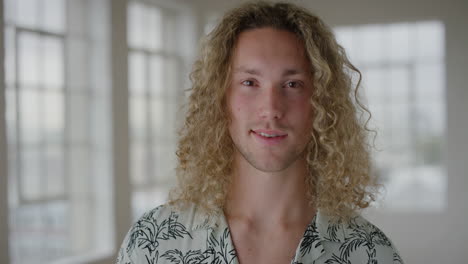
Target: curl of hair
[{"x": 340, "y": 180}]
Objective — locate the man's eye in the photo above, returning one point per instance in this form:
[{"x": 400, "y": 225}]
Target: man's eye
[
  {"x": 248, "y": 83},
  {"x": 292, "y": 84}
]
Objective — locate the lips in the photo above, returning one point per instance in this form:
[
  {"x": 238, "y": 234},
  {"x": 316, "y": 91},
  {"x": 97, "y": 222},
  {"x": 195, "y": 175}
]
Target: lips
[{"x": 270, "y": 135}]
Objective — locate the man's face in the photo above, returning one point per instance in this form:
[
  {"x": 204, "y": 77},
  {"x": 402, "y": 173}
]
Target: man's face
[{"x": 269, "y": 99}]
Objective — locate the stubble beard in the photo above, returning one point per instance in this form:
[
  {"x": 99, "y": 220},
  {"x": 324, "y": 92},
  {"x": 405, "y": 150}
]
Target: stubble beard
[{"x": 272, "y": 165}]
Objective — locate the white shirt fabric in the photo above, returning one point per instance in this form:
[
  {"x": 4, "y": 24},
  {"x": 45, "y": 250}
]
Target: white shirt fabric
[{"x": 169, "y": 235}]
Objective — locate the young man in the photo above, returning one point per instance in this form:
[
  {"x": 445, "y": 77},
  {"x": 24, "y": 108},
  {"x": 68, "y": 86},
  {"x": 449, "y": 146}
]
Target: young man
[{"x": 273, "y": 165}]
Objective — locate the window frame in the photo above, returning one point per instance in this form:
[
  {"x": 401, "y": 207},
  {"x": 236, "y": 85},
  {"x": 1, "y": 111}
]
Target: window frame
[
  {"x": 412, "y": 100},
  {"x": 122, "y": 189}
]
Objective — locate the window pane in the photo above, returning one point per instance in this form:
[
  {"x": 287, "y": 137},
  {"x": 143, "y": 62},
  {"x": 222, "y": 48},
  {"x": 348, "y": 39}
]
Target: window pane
[
  {"x": 40, "y": 232},
  {"x": 404, "y": 81},
  {"x": 153, "y": 28},
  {"x": 79, "y": 175},
  {"x": 53, "y": 117},
  {"x": 430, "y": 80},
  {"x": 51, "y": 214},
  {"x": 54, "y": 171},
  {"x": 53, "y": 15},
  {"x": 78, "y": 108},
  {"x": 139, "y": 163},
  {"x": 158, "y": 80},
  {"x": 99, "y": 125},
  {"x": 154, "y": 84},
  {"x": 170, "y": 120},
  {"x": 171, "y": 82},
  {"x": 27, "y": 13},
  {"x": 138, "y": 117},
  {"x": 400, "y": 125},
  {"x": 373, "y": 83},
  {"x": 399, "y": 84},
  {"x": 165, "y": 162},
  {"x": 371, "y": 38},
  {"x": 81, "y": 194},
  {"x": 29, "y": 59},
  {"x": 144, "y": 26},
  {"x": 398, "y": 39},
  {"x": 431, "y": 118},
  {"x": 424, "y": 182},
  {"x": 52, "y": 62},
  {"x": 136, "y": 24},
  {"x": 158, "y": 113},
  {"x": 430, "y": 42},
  {"x": 377, "y": 121},
  {"x": 137, "y": 73},
  {"x": 345, "y": 37},
  {"x": 77, "y": 72},
  {"x": 144, "y": 200},
  {"x": 31, "y": 174},
  {"x": 30, "y": 116}
]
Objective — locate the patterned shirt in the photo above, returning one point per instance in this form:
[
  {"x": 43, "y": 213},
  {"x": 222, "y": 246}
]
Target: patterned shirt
[{"x": 169, "y": 235}]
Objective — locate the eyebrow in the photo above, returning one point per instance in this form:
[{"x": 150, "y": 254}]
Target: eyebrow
[{"x": 287, "y": 72}]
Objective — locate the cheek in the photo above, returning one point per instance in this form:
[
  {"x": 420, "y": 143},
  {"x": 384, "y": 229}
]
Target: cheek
[
  {"x": 235, "y": 114},
  {"x": 238, "y": 107},
  {"x": 303, "y": 114}
]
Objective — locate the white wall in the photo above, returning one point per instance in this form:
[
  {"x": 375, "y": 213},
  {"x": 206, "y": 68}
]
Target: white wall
[{"x": 440, "y": 237}]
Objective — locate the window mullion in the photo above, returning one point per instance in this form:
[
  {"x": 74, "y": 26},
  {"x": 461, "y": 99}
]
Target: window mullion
[{"x": 120, "y": 124}]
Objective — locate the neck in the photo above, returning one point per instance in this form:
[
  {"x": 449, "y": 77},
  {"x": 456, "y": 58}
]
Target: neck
[{"x": 269, "y": 198}]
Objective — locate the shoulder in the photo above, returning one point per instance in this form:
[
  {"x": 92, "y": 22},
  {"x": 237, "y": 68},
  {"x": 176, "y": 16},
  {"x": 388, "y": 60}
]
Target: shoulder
[
  {"x": 164, "y": 227},
  {"x": 357, "y": 240}
]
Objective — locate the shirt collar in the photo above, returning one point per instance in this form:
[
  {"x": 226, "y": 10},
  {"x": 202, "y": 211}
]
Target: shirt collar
[{"x": 321, "y": 229}]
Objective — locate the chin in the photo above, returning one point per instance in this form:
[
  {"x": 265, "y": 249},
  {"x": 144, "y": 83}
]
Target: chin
[{"x": 270, "y": 166}]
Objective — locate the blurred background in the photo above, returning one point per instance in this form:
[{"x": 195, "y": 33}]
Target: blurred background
[{"x": 90, "y": 104}]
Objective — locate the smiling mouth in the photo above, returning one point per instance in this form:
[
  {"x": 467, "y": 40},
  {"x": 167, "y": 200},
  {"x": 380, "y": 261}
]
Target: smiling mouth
[{"x": 270, "y": 134}]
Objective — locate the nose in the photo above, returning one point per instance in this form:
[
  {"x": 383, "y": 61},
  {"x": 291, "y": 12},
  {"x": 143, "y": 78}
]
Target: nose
[{"x": 272, "y": 104}]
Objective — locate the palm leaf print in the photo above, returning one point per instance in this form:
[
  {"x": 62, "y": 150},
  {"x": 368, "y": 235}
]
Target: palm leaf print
[
  {"x": 194, "y": 257},
  {"x": 146, "y": 233},
  {"x": 337, "y": 260},
  {"x": 219, "y": 248},
  {"x": 174, "y": 256},
  {"x": 379, "y": 238},
  {"x": 332, "y": 232},
  {"x": 310, "y": 239},
  {"x": 356, "y": 240},
  {"x": 163, "y": 237},
  {"x": 191, "y": 257},
  {"x": 174, "y": 228},
  {"x": 364, "y": 236},
  {"x": 152, "y": 260}
]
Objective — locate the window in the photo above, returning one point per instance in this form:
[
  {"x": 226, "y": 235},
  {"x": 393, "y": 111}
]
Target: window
[
  {"x": 155, "y": 96},
  {"x": 58, "y": 131},
  {"x": 404, "y": 83}
]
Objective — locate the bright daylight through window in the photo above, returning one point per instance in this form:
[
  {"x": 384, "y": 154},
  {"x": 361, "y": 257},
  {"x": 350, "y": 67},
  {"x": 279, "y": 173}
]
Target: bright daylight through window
[
  {"x": 57, "y": 113},
  {"x": 155, "y": 97},
  {"x": 403, "y": 71}
]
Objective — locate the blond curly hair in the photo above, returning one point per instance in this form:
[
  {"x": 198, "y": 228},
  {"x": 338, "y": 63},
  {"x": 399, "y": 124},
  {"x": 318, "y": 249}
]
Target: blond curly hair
[{"x": 339, "y": 180}]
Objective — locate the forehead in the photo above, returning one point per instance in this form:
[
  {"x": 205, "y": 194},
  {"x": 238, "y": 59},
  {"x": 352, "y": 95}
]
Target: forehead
[{"x": 273, "y": 47}]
